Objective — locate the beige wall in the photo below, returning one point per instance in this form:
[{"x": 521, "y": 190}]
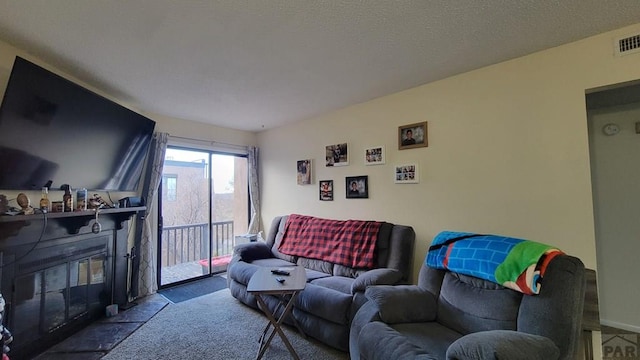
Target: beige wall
[{"x": 508, "y": 151}]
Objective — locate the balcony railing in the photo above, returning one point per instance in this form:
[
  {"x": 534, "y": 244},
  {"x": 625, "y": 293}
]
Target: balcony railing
[{"x": 187, "y": 243}]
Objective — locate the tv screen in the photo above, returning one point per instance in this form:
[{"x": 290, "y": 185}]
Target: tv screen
[{"x": 52, "y": 129}]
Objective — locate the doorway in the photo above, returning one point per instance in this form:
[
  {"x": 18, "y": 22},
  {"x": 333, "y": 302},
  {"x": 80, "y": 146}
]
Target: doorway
[
  {"x": 203, "y": 207},
  {"x": 614, "y": 142}
]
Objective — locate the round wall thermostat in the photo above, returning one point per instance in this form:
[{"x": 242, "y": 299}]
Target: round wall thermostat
[{"x": 610, "y": 129}]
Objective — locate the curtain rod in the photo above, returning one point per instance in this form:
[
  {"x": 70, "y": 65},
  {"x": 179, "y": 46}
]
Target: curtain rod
[{"x": 210, "y": 142}]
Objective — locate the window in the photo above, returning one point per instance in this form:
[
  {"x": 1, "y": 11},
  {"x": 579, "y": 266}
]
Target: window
[{"x": 169, "y": 187}]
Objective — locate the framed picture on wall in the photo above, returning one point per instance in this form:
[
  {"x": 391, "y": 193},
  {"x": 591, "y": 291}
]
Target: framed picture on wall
[
  {"x": 326, "y": 190},
  {"x": 412, "y": 136},
  {"x": 406, "y": 174},
  {"x": 357, "y": 187},
  {"x": 337, "y": 155},
  {"x": 304, "y": 172},
  {"x": 374, "y": 155}
]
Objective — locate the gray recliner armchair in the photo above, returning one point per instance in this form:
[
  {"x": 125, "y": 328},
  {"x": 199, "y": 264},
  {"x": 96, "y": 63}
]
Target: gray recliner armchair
[{"x": 449, "y": 315}]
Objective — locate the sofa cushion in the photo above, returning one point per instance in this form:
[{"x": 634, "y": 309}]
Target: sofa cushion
[
  {"x": 402, "y": 303},
  {"x": 468, "y": 304},
  {"x": 503, "y": 344},
  {"x": 381, "y": 341},
  {"x": 252, "y": 251},
  {"x": 312, "y": 275},
  {"x": 341, "y": 270},
  {"x": 278, "y": 240},
  {"x": 340, "y": 283},
  {"x": 317, "y": 265},
  {"x": 242, "y": 272},
  {"x": 382, "y": 276},
  {"x": 272, "y": 262},
  {"x": 325, "y": 303},
  {"x": 431, "y": 336}
]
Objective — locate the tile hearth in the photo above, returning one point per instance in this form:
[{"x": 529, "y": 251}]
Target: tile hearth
[{"x": 97, "y": 339}]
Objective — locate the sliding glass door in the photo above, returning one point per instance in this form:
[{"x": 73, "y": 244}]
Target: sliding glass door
[{"x": 204, "y": 206}]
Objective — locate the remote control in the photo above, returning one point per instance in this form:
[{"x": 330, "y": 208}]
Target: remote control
[
  {"x": 279, "y": 279},
  {"x": 280, "y": 272}
]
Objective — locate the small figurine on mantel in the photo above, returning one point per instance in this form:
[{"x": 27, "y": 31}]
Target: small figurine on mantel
[
  {"x": 96, "y": 202},
  {"x": 25, "y": 203}
]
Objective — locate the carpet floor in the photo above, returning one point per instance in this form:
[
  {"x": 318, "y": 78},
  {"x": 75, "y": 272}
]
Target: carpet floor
[
  {"x": 195, "y": 289},
  {"x": 213, "y": 326}
]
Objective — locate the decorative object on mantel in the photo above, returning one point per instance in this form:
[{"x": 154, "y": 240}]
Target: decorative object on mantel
[
  {"x": 374, "y": 155},
  {"x": 96, "y": 202},
  {"x": 45, "y": 204},
  {"x": 412, "y": 136},
  {"x": 326, "y": 190},
  {"x": 357, "y": 187},
  {"x": 25, "y": 204},
  {"x": 406, "y": 174},
  {"x": 67, "y": 198},
  {"x": 304, "y": 172},
  {"x": 57, "y": 206},
  {"x": 337, "y": 155},
  {"x": 96, "y": 227}
]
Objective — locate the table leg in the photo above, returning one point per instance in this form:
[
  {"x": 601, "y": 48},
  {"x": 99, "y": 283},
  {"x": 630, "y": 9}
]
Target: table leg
[
  {"x": 262, "y": 306},
  {"x": 276, "y": 327}
]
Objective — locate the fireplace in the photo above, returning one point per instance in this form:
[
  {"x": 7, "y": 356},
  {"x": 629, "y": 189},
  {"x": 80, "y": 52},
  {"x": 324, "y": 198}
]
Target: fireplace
[
  {"x": 58, "y": 278},
  {"x": 51, "y": 288}
]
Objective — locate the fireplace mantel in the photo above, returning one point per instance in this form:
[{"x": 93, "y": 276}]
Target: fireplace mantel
[{"x": 71, "y": 221}]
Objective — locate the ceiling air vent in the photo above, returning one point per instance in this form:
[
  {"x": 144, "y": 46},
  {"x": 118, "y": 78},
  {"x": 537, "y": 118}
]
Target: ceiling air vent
[{"x": 628, "y": 45}]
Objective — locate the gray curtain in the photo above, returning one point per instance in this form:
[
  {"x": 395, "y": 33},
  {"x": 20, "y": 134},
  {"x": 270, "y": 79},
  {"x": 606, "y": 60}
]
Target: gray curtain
[
  {"x": 143, "y": 281},
  {"x": 254, "y": 189}
]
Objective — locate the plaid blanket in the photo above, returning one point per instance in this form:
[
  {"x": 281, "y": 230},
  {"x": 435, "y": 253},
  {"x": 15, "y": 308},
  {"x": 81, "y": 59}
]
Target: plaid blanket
[{"x": 346, "y": 242}]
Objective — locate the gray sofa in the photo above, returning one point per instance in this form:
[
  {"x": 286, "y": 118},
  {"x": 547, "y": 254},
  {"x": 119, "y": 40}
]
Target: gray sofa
[
  {"x": 333, "y": 294},
  {"x": 453, "y": 316}
]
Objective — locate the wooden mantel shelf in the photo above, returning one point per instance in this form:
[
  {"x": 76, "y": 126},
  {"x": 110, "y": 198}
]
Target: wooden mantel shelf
[{"x": 72, "y": 221}]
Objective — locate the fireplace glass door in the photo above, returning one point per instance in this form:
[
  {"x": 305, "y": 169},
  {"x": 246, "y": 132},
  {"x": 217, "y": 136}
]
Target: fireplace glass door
[{"x": 49, "y": 298}]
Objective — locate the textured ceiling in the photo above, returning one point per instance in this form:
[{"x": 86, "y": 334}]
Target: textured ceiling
[{"x": 259, "y": 64}]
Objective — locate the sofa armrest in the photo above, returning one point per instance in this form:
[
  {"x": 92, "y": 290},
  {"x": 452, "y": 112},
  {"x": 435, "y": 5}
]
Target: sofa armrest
[
  {"x": 502, "y": 344},
  {"x": 403, "y": 303},
  {"x": 252, "y": 251},
  {"x": 381, "y": 276},
  {"x": 379, "y": 341}
]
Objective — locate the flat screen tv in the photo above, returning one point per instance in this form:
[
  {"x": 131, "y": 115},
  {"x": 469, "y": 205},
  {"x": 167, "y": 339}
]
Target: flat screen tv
[{"x": 53, "y": 130}]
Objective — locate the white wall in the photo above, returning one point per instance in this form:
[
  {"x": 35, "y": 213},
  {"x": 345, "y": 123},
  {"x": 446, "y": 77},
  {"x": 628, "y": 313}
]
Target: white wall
[
  {"x": 616, "y": 181},
  {"x": 508, "y": 151}
]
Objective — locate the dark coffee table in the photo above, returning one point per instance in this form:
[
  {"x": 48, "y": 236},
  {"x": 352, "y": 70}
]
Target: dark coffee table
[{"x": 264, "y": 282}]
